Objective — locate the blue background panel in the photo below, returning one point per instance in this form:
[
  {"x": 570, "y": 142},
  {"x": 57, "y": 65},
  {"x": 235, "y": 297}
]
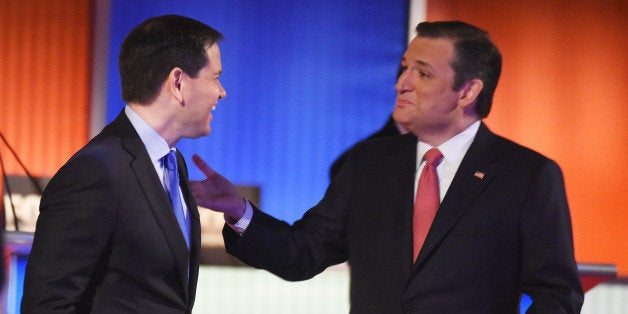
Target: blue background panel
[{"x": 304, "y": 79}]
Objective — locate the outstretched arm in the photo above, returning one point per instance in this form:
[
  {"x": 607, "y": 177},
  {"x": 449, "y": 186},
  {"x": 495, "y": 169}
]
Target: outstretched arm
[
  {"x": 217, "y": 193},
  {"x": 292, "y": 252}
]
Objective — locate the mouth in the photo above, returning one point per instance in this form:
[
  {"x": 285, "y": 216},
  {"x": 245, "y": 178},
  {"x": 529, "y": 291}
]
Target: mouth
[
  {"x": 213, "y": 107},
  {"x": 402, "y": 102}
]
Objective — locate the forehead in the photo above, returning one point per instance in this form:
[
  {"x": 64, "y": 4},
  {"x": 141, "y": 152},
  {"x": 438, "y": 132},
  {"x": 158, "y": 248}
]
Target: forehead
[
  {"x": 213, "y": 56},
  {"x": 434, "y": 52}
]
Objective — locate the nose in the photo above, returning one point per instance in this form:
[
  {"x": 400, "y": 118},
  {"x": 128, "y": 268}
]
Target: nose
[
  {"x": 223, "y": 93},
  {"x": 403, "y": 82}
]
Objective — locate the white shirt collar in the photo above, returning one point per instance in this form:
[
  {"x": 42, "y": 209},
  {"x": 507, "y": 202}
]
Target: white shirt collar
[
  {"x": 454, "y": 149},
  {"x": 453, "y": 152},
  {"x": 156, "y": 145}
]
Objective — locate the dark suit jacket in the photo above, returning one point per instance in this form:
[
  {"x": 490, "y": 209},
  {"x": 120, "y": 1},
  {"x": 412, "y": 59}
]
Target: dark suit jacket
[
  {"x": 502, "y": 229},
  {"x": 389, "y": 129},
  {"x": 107, "y": 240}
]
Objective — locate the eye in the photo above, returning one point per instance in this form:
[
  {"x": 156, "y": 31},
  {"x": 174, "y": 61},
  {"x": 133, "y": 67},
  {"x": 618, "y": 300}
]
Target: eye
[
  {"x": 424, "y": 74},
  {"x": 213, "y": 81}
]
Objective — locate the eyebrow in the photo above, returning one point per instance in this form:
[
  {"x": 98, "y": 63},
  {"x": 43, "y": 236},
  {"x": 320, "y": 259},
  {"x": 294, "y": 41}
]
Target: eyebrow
[
  {"x": 417, "y": 62},
  {"x": 423, "y": 63}
]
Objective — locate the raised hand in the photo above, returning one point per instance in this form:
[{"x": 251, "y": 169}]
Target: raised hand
[{"x": 217, "y": 193}]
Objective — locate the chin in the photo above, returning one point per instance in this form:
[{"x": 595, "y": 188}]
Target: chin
[
  {"x": 399, "y": 116},
  {"x": 201, "y": 133}
]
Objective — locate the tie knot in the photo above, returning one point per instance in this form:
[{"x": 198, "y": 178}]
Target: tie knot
[
  {"x": 170, "y": 160},
  {"x": 433, "y": 156}
]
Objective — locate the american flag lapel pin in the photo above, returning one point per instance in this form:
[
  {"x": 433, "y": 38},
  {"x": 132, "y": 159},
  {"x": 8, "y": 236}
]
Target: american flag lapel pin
[{"x": 479, "y": 174}]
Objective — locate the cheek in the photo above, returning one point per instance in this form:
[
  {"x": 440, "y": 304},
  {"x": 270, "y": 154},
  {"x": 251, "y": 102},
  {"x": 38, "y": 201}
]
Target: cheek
[
  {"x": 201, "y": 110},
  {"x": 434, "y": 99},
  {"x": 404, "y": 114},
  {"x": 215, "y": 93}
]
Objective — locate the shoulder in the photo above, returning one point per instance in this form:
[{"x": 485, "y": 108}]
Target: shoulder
[
  {"x": 101, "y": 150},
  {"x": 517, "y": 156},
  {"x": 101, "y": 158},
  {"x": 509, "y": 147},
  {"x": 375, "y": 153},
  {"x": 387, "y": 144}
]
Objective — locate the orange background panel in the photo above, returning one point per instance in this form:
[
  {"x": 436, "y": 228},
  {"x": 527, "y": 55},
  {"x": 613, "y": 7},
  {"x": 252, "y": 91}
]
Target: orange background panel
[
  {"x": 562, "y": 93},
  {"x": 45, "y": 57}
]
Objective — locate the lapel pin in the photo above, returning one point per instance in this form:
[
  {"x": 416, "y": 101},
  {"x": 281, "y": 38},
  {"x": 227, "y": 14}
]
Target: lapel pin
[{"x": 479, "y": 174}]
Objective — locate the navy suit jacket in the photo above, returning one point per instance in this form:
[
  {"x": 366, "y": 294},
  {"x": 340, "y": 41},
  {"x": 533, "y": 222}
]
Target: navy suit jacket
[
  {"x": 107, "y": 239},
  {"x": 502, "y": 229}
]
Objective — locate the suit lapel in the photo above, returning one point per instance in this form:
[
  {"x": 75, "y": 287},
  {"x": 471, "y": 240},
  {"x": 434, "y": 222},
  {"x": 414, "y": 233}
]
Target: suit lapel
[
  {"x": 156, "y": 197},
  {"x": 475, "y": 172},
  {"x": 404, "y": 171},
  {"x": 195, "y": 245}
]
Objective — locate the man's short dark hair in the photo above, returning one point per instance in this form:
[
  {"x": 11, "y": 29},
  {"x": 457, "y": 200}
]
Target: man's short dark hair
[
  {"x": 158, "y": 45},
  {"x": 475, "y": 57}
]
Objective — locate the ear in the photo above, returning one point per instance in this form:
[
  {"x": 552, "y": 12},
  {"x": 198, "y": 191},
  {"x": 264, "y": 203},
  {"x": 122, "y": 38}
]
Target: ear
[
  {"x": 175, "y": 83},
  {"x": 470, "y": 91}
]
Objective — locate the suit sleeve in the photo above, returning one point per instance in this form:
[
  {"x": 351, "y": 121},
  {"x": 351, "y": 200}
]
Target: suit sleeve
[
  {"x": 71, "y": 237},
  {"x": 549, "y": 271},
  {"x": 292, "y": 252},
  {"x": 306, "y": 248}
]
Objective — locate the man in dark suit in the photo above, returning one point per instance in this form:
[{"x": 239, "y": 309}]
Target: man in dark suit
[
  {"x": 390, "y": 128},
  {"x": 500, "y": 228},
  {"x": 116, "y": 234}
]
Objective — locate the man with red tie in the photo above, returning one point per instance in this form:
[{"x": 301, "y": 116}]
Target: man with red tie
[{"x": 450, "y": 218}]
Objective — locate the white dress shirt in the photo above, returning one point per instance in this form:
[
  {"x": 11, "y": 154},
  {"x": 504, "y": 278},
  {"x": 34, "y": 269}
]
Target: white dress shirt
[
  {"x": 453, "y": 151},
  {"x": 156, "y": 146}
]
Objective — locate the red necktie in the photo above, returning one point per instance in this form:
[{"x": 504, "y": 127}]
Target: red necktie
[{"x": 427, "y": 200}]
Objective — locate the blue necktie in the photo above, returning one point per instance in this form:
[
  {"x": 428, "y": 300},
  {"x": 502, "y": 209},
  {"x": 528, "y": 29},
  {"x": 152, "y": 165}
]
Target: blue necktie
[{"x": 170, "y": 163}]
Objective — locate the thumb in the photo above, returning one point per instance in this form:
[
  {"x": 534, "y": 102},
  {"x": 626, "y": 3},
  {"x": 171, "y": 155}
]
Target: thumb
[{"x": 202, "y": 166}]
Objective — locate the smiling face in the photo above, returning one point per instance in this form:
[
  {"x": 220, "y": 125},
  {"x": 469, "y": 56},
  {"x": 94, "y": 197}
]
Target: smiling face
[
  {"x": 200, "y": 96},
  {"x": 426, "y": 103}
]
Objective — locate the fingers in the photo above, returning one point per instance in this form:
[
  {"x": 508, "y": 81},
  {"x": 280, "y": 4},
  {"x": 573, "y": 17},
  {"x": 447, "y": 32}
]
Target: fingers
[{"x": 202, "y": 166}]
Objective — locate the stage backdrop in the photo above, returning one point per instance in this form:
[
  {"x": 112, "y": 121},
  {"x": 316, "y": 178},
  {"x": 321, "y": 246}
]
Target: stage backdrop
[
  {"x": 45, "y": 60},
  {"x": 304, "y": 79},
  {"x": 562, "y": 92}
]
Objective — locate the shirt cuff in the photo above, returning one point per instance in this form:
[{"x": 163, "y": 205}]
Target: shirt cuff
[{"x": 241, "y": 225}]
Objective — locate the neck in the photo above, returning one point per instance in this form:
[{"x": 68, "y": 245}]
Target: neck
[
  {"x": 160, "y": 122},
  {"x": 436, "y": 137}
]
